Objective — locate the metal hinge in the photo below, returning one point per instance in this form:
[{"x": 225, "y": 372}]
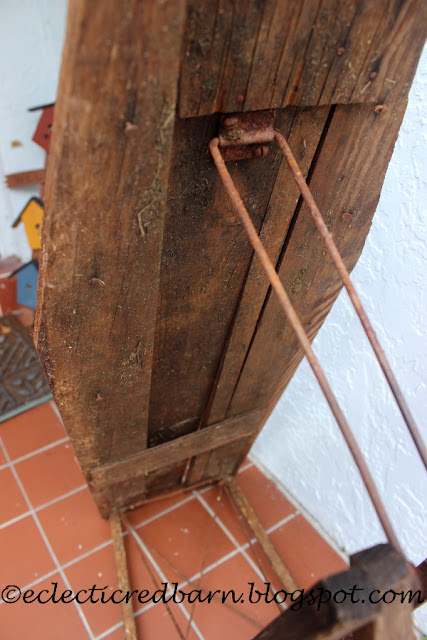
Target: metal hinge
[{"x": 246, "y": 135}]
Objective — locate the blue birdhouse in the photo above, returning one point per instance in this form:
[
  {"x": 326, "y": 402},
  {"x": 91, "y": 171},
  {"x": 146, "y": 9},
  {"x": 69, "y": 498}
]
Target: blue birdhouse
[{"x": 26, "y": 283}]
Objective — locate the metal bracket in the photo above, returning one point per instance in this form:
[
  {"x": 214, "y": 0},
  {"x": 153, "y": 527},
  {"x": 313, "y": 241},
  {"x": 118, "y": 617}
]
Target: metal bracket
[{"x": 247, "y": 135}]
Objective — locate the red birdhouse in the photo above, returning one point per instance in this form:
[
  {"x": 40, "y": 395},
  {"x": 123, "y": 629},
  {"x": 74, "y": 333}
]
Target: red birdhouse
[{"x": 43, "y": 132}]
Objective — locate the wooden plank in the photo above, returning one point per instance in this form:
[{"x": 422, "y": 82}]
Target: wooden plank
[
  {"x": 347, "y": 178},
  {"x": 205, "y": 259},
  {"x": 271, "y": 54},
  {"x": 304, "y": 129},
  {"x": 25, "y": 178},
  {"x": 276, "y": 48},
  {"x": 390, "y": 64},
  {"x": 162, "y": 484},
  {"x": 175, "y": 451},
  {"x": 388, "y": 570},
  {"x": 422, "y": 576},
  {"x": 221, "y": 462},
  {"x": 243, "y": 505},
  {"x": 287, "y": 85},
  {"x": 122, "y": 575},
  {"x": 329, "y": 32},
  {"x": 380, "y": 568},
  {"x": 105, "y": 203},
  {"x": 347, "y": 66},
  {"x": 150, "y": 295}
]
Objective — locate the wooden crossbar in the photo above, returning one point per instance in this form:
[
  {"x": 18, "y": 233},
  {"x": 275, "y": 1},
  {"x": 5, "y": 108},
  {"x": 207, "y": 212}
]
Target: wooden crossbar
[{"x": 144, "y": 462}]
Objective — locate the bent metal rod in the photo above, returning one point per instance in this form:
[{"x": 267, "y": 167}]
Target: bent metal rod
[{"x": 301, "y": 335}]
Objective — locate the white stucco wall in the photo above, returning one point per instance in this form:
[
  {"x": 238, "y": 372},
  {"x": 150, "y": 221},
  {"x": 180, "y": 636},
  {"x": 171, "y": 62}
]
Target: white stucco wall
[
  {"x": 300, "y": 445},
  {"x": 31, "y": 38}
]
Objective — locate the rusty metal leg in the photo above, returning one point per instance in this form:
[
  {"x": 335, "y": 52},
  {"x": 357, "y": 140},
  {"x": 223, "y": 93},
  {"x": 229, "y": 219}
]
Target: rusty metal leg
[
  {"x": 122, "y": 575},
  {"x": 261, "y": 535}
]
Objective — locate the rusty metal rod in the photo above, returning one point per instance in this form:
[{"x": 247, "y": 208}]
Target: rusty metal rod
[
  {"x": 245, "y": 509},
  {"x": 345, "y": 277},
  {"x": 122, "y": 575},
  {"x": 301, "y": 335}
]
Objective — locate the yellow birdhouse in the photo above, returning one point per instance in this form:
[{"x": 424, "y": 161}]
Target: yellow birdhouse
[{"x": 32, "y": 215}]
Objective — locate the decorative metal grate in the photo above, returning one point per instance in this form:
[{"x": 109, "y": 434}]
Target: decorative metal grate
[{"x": 22, "y": 381}]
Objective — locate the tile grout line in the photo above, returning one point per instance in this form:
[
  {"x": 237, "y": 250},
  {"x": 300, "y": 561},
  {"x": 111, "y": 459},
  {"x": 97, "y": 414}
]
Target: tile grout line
[
  {"x": 162, "y": 513},
  {"x": 214, "y": 565},
  {"x": 242, "y": 549},
  {"x": 281, "y": 522},
  {"x": 32, "y": 453},
  {"x": 55, "y": 409},
  {"x": 66, "y": 565},
  {"x": 228, "y": 533},
  {"x": 161, "y": 575},
  {"x": 46, "y": 541},
  {"x": 245, "y": 467},
  {"x": 181, "y": 585},
  {"x": 238, "y": 549},
  {"x": 5, "y": 524},
  {"x": 302, "y": 510},
  {"x": 107, "y": 632},
  {"x": 211, "y": 567},
  {"x": 85, "y": 555}
]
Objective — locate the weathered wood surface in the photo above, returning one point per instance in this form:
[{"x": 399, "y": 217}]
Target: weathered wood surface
[
  {"x": 303, "y": 129},
  {"x": 105, "y": 205},
  {"x": 205, "y": 258},
  {"x": 25, "y": 178},
  {"x": 422, "y": 576},
  {"x": 347, "y": 178},
  {"x": 260, "y": 55},
  {"x": 154, "y": 319},
  {"x": 374, "y": 570},
  {"x": 177, "y": 450}
]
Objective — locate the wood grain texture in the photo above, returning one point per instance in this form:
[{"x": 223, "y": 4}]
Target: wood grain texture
[
  {"x": 104, "y": 218},
  {"x": 303, "y": 129},
  {"x": 422, "y": 576},
  {"x": 175, "y": 451},
  {"x": 260, "y": 55},
  {"x": 349, "y": 172},
  {"x": 154, "y": 319},
  {"x": 205, "y": 259},
  {"x": 378, "y": 568},
  {"x": 25, "y": 178}
]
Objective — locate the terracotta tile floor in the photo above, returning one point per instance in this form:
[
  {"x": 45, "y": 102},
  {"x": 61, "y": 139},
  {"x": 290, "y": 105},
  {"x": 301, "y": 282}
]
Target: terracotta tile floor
[{"x": 50, "y": 532}]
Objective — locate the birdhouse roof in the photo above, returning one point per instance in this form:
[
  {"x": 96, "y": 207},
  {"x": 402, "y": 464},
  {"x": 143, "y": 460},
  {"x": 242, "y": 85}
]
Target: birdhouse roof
[
  {"x": 18, "y": 219},
  {"x": 34, "y": 263},
  {"x": 42, "y": 106}
]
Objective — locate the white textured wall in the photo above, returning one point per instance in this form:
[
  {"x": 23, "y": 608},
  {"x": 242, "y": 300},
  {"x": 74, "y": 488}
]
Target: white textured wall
[
  {"x": 31, "y": 37},
  {"x": 301, "y": 444}
]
